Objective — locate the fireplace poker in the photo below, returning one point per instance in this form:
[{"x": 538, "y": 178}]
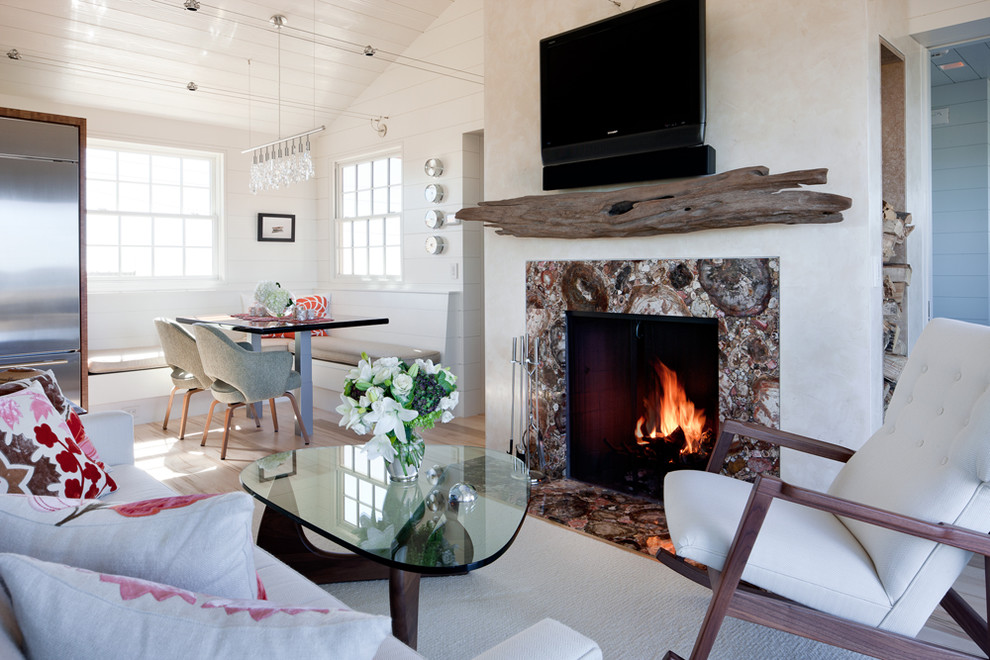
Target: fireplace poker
[
  {"x": 512, "y": 414},
  {"x": 533, "y": 400}
]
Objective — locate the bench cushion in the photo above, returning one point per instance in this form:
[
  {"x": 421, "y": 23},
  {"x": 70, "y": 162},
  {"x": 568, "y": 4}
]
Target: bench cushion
[
  {"x": 112, "y": 360},
  {"x": 343, "y": 350}
]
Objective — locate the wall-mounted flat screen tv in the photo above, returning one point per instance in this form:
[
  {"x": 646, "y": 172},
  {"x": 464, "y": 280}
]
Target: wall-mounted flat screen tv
[{"x": 632, "y": 83}]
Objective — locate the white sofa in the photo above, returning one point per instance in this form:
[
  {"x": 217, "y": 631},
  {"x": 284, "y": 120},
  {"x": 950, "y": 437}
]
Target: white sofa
[{"x": 112, "y": 434}]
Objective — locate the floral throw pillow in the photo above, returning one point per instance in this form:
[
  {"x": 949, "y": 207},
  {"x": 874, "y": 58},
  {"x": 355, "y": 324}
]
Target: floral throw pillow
[
  {"x": 319, "y": 304},
  {"x": 18, "y": 379},
  {"x": 15, "y": 380},
  {"x": 38, "y": 454},
  {"x": 150, "y": 619},
  {"x": 200, "y": 542}
]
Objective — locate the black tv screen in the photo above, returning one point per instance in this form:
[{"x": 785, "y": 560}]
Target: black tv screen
[{"x": 629, "y": 84}]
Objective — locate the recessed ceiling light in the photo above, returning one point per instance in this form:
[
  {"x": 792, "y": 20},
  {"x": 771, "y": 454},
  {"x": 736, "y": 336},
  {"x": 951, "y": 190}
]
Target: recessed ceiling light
[
  {"x": 192, "y": 87},
  {"x": 191, "y": 5},
  {"x": 952, "y": 65}
]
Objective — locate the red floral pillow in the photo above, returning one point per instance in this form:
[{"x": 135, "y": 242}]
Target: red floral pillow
[
  {"x": 24, "y": 378},
  {"x": 320, "y": 304},
  {"x": 38, "y": 454}
]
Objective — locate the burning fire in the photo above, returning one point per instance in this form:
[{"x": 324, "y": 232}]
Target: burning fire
[{"x": 667, "y": 409}]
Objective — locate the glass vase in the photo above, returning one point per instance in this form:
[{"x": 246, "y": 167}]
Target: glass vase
[{"x": 408, "y": 457}]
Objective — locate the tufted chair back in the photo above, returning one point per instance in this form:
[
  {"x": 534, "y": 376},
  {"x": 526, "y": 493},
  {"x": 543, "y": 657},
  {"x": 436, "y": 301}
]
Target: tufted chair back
[
  {"x": 931, "y": 460},
  {"x": 181, "y": 354}
]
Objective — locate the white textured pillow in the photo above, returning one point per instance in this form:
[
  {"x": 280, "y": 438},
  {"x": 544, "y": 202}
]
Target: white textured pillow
[
  {"x": 198, "y": 542},
  {"x": 129, "y": 618}
]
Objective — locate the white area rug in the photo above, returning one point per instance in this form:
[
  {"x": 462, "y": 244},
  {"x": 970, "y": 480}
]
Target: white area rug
[{"x": 630, "y": 604}]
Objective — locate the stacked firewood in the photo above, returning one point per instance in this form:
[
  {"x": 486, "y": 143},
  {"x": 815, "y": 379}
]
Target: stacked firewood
[{"x": 896, "y": 278}]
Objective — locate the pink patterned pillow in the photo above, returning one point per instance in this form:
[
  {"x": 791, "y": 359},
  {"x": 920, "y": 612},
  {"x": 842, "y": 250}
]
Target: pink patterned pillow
[
  {"x": 147, "y": 619},
  {"x": 24, "y": 378},
  {"x": 18, "y": 379},
  {"x": 38, "y": 454},
  {"x": 319, "y": 304}
]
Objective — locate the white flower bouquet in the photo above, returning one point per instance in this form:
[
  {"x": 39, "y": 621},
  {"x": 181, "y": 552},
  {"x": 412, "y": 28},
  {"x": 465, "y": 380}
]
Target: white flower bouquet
[
  {"x": 275, "y": 299},
  {"x": 391, "y": 399}
]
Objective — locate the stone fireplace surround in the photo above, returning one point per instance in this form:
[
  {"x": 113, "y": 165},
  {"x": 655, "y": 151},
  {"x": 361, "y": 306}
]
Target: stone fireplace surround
[{"x": 742, "y": 294}]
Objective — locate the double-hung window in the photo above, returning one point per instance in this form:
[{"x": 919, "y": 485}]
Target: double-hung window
[
  {"x": 152, "y": 212},
  {"x": 369, "y": 218}
]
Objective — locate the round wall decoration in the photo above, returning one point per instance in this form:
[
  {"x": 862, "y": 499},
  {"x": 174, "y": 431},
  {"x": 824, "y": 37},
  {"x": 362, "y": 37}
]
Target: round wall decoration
[
  {"x": 434, "y": 218},
  {"x": 435, "y": 244},
  {"x": 433, "y": 167},
  {"x": 433, "y": 193}
]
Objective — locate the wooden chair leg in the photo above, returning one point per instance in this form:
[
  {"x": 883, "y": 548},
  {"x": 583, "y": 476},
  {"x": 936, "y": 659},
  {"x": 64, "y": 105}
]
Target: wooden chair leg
[
  {"x": 209, "y": 418},
  {"x": 185, "y": 412},
  {"x": 271, "y": 404},
  {"x": 728, "y": 580},
  {"x": 168, "y": 409},
  {"x": 295, "y": 409},
  {"x": 226, "y": 431}
]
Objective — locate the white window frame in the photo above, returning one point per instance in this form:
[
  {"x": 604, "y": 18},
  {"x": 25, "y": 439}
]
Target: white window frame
[
  {"x": 151, "y": 282},
  {"x": 347, "y": 224}
]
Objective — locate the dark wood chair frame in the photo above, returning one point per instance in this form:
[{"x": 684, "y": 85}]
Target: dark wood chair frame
[{"x": 734, "y": 598}]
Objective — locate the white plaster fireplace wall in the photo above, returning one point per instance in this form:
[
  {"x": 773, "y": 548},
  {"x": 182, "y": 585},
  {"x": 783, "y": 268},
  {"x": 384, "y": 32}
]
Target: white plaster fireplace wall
[{"x": 792, "y": 84}]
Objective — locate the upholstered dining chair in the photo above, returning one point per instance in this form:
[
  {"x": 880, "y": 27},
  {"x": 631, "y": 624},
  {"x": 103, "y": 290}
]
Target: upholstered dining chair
[
  {"x": 187, "y": 374},
  {"x": 863, "y": 565},
  {"x": 241, "y": 376}
]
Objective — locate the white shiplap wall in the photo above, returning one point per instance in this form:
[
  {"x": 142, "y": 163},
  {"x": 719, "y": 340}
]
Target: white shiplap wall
[{"x": 430, "y": 115}]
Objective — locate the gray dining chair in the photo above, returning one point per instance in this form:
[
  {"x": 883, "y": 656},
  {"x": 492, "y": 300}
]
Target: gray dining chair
[
  {"x": 241, "y": 376},
  {"x": 187, "y": 374}
]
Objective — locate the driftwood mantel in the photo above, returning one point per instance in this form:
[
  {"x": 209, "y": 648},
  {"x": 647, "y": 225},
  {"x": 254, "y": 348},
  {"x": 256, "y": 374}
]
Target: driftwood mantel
[{"x": 738, "y": 198}]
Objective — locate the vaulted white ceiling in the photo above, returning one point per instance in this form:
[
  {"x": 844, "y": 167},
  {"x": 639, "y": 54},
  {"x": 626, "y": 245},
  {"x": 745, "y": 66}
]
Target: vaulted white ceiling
[{"x": 140, "y": 56}]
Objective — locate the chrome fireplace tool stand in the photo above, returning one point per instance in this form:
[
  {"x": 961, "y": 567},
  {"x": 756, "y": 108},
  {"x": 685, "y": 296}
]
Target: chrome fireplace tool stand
[{"x": 529, "y": 408}]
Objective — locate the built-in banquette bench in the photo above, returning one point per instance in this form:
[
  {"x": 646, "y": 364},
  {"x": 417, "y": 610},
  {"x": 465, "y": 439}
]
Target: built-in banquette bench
[{"x": 137, "y": 373}]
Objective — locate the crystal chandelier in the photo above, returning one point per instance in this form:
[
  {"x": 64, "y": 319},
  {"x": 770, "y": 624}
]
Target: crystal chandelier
[
  {"x": 281, "y": 162},
  {"x": 284, "y": 161}
]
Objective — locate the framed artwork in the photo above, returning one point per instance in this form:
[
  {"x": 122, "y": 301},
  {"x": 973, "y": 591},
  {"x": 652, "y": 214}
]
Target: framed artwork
[{"x": 276, "y": 227}]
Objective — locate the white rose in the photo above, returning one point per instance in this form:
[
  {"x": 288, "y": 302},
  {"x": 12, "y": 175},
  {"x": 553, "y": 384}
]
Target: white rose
[{"x": 402, "y": 385}]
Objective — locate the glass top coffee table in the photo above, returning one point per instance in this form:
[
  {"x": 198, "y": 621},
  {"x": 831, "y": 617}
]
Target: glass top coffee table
[{"x": 393, "y": 530}]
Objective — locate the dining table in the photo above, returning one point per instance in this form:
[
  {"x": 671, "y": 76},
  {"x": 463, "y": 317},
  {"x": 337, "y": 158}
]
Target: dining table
[{"x": 256, "y": 327}]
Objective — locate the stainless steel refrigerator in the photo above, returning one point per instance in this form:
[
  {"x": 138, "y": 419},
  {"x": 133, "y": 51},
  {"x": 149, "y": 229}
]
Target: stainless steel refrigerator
[{"x": 40, "y": 309}]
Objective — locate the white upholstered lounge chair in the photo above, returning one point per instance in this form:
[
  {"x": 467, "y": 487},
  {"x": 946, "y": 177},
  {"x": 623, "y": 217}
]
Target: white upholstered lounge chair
[
  {"x": 241, "y": 376},
  {"x": 855, "y": 567}
]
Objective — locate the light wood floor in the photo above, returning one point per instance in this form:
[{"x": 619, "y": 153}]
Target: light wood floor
[{"x": 188, "y": 468}]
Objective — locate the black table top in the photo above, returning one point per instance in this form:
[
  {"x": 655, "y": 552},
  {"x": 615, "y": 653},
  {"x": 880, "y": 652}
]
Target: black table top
[{"x": 283, "y": 325}]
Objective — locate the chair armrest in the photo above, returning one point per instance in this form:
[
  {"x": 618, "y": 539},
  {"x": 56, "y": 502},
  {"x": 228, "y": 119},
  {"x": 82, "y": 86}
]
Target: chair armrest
[
  {"x": 547, "y": 640},
  {"x": 112, "y": 434},
  {"x": 732, "y": 428}
]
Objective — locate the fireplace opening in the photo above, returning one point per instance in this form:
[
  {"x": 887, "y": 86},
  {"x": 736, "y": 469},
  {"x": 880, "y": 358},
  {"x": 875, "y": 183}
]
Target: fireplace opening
[{"x": 642, "y": 396}]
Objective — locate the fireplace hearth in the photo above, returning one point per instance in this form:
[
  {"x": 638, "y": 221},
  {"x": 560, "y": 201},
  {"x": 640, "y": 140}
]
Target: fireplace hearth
[
  {"x": 740, "y": 297},
  {"x": 644, "y": 398}
]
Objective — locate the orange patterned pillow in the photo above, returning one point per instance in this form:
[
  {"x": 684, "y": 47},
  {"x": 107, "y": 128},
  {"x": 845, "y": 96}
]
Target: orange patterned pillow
[{"x": 319, "y": 304}]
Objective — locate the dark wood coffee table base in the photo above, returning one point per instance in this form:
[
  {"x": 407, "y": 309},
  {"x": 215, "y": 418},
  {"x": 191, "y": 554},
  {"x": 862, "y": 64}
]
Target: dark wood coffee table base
[{"x": 284, "y": 538}]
